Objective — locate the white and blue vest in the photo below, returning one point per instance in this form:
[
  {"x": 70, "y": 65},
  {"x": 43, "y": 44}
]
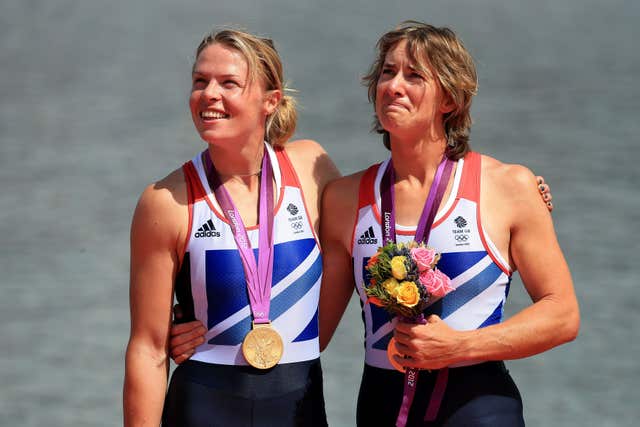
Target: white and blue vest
[
  {"x": 479, "y": 275},
  {"x": 211, "y": 285}
]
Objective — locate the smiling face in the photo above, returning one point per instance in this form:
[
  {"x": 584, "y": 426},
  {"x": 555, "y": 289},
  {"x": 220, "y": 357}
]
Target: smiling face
[
  {"x": 409, "y": 99},
  {"x": 225, "y": 103}
]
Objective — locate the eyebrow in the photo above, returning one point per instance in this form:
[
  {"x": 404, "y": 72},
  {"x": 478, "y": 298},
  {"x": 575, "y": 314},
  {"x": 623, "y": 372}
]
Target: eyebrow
[{"x": 202, "y": 73}]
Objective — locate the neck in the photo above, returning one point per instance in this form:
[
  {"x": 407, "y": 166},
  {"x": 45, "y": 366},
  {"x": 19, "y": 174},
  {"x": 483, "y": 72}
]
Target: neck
[
  {"x": 239, "y": 163},
  {"x": 417, "y": 160}
]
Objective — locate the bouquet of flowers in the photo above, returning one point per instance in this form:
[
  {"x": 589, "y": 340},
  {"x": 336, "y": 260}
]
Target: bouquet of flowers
[{"x": 404, "y": 278}]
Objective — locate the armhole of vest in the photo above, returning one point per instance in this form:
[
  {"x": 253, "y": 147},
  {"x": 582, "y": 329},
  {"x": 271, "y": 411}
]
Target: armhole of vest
[
  {"x": 471, "y": 191},
  {"x": 290, "y": 178},
  {"x": 189, "y": 172},
  {"x": 366, "y": 197}
]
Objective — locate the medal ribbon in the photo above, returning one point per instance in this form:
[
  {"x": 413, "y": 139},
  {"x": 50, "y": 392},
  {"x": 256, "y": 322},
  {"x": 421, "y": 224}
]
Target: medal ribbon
[
  {"x": 436, "y": 192},
  {"x": 258, "y": 275}
]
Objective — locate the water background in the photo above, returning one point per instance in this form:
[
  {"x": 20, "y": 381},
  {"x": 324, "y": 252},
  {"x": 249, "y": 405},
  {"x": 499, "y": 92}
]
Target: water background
[{"x": 93, "y": 107}]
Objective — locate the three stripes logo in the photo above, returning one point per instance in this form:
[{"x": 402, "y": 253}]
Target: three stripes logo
[
  {"x": 368, "y": 238},
  {"x": 207, "y": 230}
]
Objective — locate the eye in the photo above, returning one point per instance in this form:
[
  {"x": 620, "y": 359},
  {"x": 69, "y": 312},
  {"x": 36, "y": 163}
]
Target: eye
[
  {"x": 230, "y": 84},
  {"x": 198, "y": 82}
]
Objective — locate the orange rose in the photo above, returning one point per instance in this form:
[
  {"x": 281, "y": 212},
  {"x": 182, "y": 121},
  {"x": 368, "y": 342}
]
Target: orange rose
[{"x": 408, "y": 294}]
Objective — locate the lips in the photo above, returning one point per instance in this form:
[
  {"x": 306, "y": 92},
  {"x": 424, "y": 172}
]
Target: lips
[
  {"x": 396, "y": 106},
  {"x": 210, "y": 115}
]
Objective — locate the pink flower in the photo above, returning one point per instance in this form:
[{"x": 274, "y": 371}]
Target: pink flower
[
  {"x": 437, "y": 283},
  {"x": 424, "y": 257}
]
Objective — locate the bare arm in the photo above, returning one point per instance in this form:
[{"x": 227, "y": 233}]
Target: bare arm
[
  {"x": 154, "y": 262},
  {"x": 524, "y": 227},
  {"x": 339, "y": 205},
  {"x": 553, "y": 318}
]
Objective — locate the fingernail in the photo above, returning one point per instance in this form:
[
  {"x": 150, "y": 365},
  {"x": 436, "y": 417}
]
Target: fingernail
[
  {"x": 541, "y": 187},
  {"x": 539, "y": 180}
]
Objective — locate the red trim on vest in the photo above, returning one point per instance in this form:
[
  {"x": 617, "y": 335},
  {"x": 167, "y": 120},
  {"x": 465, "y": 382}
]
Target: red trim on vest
[
  {"x": 470, "y": 180},
  {"x": 287, "y": 172},
  {"x": 289, "y": 178},
  {"x": 197, "y": 192},
  {"x": 187, "y": 170},
  {"x": 470, "y": 190},
  {"x": 366, "y": 196}
]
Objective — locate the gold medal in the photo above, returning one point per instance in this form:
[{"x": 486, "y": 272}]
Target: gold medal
[{"x": 262, "y": 347}]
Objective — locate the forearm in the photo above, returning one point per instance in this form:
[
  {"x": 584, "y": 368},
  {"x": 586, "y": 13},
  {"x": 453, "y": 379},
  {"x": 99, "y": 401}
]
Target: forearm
[
  {"x": 546, "y": 324},
  {"x": 144, "y": 387},
  {"x": 330, "y": 314}
]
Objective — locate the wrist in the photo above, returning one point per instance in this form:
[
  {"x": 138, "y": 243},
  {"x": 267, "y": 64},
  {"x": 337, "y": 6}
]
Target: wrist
[{"x": 467, "y": 349}]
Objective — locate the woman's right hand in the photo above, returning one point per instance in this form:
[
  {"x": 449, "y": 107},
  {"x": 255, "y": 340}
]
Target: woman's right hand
[{"x": 185, "y": 337}]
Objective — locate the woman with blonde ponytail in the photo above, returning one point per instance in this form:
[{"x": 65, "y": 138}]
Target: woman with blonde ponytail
[{"x": 233, "y": 233}]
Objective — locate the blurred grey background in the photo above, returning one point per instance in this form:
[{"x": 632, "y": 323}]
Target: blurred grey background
[{"x": 93, "y": 107}]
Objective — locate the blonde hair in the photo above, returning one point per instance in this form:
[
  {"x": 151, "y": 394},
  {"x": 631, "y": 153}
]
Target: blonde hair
[
  {"x": 442, "y": 51},
  {"x": 264, "y": 64}
]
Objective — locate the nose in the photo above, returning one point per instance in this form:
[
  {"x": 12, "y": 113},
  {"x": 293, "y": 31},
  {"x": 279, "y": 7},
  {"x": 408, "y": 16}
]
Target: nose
[
  {"x": 395, "y": 85},
  {"x": 212, "y": 91}
]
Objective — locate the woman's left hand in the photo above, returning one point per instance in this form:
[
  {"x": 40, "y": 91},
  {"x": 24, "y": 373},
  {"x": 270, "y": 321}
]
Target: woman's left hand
[
  {"x": 433, "y": 345},
  {"x": 545, "y": 192}
]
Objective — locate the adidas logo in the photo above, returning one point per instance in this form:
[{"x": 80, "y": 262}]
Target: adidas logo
[
  {"x": 368, "y": 238},
  {"x": 207, "y": 230}
]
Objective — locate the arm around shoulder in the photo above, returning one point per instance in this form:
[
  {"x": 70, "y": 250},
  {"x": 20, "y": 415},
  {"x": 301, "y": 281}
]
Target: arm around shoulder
[{"x": 339, "y": 210}]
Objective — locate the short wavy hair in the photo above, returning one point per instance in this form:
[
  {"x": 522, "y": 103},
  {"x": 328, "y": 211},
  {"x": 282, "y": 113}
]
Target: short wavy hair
[{"x": 442, "y": 51}]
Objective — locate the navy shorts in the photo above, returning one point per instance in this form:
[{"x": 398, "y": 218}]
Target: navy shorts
[
  {"x": 287, "y": 395},
  {"x": 475, "y": 396}
]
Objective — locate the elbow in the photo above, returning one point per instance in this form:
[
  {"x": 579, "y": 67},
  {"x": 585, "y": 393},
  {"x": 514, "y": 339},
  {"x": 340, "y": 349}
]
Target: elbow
[
  {"x": 147, "y": 352},
  {"x": 574, "y": 328},
  {"x": 324, "y": 341},
  {"x": 571, "y": 325}
]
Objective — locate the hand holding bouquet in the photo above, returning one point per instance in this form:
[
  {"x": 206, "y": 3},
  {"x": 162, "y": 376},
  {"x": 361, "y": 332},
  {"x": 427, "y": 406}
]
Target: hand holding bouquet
[{"x": 404, "y": 279}]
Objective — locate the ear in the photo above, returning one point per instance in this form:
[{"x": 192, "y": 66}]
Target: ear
[
  {"x": 447, "y": 104},
  {"x": 272, "y": 99}
]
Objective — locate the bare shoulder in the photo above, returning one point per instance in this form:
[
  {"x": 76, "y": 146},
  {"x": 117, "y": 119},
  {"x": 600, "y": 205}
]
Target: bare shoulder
[
  {"x": 162, "y": 208},
  {"x": 304, "y": 148},
  {"x": 343, "y": 192},
  {"x": 309, "y": 157},
  {"x": 340, "y": 200},
  {"x": 512, "y": 181},
  {"x": 339, "y": 211},
  {"x": 167, "y": 193}
]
